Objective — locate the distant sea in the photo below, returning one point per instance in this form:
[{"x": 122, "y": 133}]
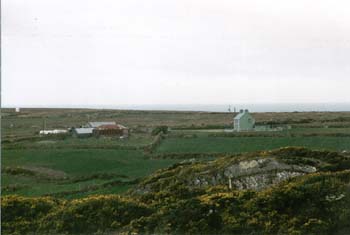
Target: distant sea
[
  {"x": 261, "y": 107},
  {"x": 283, "y": 107}
]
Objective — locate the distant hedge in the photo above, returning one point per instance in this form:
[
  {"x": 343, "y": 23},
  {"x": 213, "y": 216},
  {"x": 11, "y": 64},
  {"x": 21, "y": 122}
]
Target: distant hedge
[
  {"x": 155, "y": 143},
  {"x": 160, "y": 130}
]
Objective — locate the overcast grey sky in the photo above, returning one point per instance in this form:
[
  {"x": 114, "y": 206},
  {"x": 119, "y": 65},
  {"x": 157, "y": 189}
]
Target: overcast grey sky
[{"x": 112, "y": 52}]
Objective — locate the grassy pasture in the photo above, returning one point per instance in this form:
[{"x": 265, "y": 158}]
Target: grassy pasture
[
  {"x": 28, "y": 186},
  {"x": 76, "y": 163},
  {"x": 205, "y": 144},
  {"x": 134, "y": 141}
]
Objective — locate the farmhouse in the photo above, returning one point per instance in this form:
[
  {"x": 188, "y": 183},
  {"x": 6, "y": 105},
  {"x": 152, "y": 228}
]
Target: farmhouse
[
  {"x": 98, "y": 129},
  {"x": 111, "y": 130},
  {"x": 243, "y": 121}
]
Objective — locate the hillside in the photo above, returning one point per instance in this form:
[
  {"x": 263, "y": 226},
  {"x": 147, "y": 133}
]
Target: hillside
[
  {"x": 284, "y": 191},
  {"x": 254, "y": 171}
]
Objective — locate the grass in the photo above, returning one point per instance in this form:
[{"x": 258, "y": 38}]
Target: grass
[
  {"x": 28, "y": 186},
  {"x": 204, "y": 144},
  {"x": 134, "y": 141},
  {"x": 319, "y": 130},
  {"x": 85, "y": 162},
  {"x": 76, "y": 163}
]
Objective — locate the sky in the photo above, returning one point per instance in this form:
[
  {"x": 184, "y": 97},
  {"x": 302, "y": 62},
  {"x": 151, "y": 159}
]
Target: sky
[{"x": 114, "y": 52}]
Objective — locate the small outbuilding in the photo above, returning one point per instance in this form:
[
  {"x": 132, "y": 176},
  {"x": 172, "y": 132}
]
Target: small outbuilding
[
  {"x": 243, "y": 121},
  {"x": 82, "y": 132},
  {"x": 52, "y": 132}
]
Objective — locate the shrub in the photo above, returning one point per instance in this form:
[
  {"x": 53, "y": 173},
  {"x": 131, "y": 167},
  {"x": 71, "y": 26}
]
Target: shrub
[
  {"x": 21, "y": 215},
  {"x": 95, "y": 213},
  {"x": 160, "y": 129}
]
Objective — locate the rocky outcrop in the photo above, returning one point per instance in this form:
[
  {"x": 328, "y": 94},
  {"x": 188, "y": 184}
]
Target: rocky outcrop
[
  {"x": 253, "y": 174},
  {"x": 255, "y": 171}
]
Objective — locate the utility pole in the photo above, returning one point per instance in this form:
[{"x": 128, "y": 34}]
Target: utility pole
[{"x": 44, "y": 123}]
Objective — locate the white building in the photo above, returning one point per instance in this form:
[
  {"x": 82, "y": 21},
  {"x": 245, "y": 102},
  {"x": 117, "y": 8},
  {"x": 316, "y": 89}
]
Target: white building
[
  {"x": 243, "y": 121},
  {"x": 52, "y": 132},
  {"x": 83, "y": 132}
]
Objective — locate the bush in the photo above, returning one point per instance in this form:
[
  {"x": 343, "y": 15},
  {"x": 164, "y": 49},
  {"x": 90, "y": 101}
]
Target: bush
[
  {"x": 159, "y": 130},
  {"x": 21, "y": 215},
  {"x": 95, "y": 213}
]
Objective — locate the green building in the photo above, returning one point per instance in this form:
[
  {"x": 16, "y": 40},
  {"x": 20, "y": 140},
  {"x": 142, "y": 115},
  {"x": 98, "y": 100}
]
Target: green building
[{"x": 243, "y": 121}]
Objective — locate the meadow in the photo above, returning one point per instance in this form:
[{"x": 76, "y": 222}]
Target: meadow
[
  {"x": 80, "y": 169},
  {"x": 205, "y": 144}
]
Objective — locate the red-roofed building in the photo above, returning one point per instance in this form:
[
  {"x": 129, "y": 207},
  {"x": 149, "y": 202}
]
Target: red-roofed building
[{"x": 111, "y": 130}]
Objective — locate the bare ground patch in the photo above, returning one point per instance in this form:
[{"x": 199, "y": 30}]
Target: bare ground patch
[
  {"x": 47, "y": 172},
  {"x": 40, "y": 172},
  {"x": 46, "y": 142}
]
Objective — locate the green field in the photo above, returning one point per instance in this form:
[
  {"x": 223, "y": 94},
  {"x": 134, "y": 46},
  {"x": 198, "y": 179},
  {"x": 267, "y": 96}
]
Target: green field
[
  {"x": 129, "y": 164},
  {"x": 49, "y": 142},
  {"x": 205, "y": 144}
]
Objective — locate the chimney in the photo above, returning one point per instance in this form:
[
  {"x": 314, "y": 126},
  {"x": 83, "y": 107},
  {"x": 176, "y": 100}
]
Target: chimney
[
  {"x": 246, "y": 111},
  {"x": 241, "y": 111}
]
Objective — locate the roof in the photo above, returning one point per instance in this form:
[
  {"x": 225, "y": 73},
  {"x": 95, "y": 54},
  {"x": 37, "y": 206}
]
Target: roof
[
  {"x": 45, "y": 132},
  {"x": 98, "y": 124},
  {"x": 240, "y": 115},
  {"x": 82, "y": 131},
  {"x": 114, "y": 127},
  {"x": 122, "y": 127},
  {"x": 108, "y": 127}
]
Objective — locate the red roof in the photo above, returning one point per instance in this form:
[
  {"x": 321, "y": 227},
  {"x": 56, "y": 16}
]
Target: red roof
[{"x": 114, "y": 127}]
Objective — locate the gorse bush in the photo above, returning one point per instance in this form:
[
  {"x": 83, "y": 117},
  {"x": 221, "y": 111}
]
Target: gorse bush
[
  {"x": 100, "y": 213},
  {"x": 312, "y": 204},
  {"x": 22, "y": 215}
]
